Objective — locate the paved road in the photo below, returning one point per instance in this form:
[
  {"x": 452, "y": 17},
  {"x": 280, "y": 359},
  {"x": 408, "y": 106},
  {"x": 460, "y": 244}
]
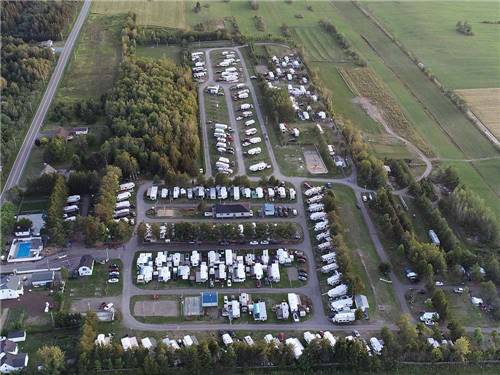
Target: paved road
[{"x": 36, "y": 123}]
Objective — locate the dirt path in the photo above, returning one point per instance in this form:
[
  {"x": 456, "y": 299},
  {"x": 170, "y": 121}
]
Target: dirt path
[{"x": 377, "y": 115}]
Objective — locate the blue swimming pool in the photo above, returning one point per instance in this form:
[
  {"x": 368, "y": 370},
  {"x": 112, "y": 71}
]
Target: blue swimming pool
[{"x": 23, "y": 249}]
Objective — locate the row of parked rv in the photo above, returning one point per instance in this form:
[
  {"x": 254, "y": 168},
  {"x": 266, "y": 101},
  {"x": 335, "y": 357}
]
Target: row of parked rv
[
  {"x": 339, "y": 302},
  {"x": 224, "y": 145},
  {"x": 230, "y": 63},
  {"x": 292, "y": 308},
  {"x": 124, "y": 208},
  {"x": 72, "y": 208},
  {"x": 214, "y": 266},
  {"x": 221, "y": 193},
  {"x": 199, "y": 69}
]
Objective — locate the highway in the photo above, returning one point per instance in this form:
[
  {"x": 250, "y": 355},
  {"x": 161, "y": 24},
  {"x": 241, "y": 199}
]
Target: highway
[{"x": 25, "y": 150}]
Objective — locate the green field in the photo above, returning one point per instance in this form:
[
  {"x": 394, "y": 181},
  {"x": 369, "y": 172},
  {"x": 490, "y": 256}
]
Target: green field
[
  {"x": 159, "y": 52},
  {"x": 365, "y": 259},
  {"x": 95, "y": 60},
  {"x": 458, "y": 61},
  {"x": 151, "y": 13}
]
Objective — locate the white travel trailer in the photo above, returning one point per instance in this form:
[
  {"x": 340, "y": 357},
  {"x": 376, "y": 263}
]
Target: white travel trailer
[
  {"x": 338, "y": 291},
  {"x": 73, "y": 199},
  {"x": 313, "y": 191},
  {"x": 315, "y": 199},
  {"x": 296, "y": 346},
  {"x": 122, "y": 205},
  {"x": 127, "y": 186},
  {"x": 254, "y": 151},
  {"x": 220, "y": 126},
  {"x": 325, "y": 246},
  {"x": 251, "y": 131},
  {"x": 323, "y": 235},
  {"x": 123, "y": 196},
  {"x": 255, "y": 140},
  {"x": 341, "y": 304},
  {"x": 329, "y": 268},
  {"x": 259, "y": 166},
  {"x": 344, "y": 317},
  {"x": 334, "y": 279},
  {"x": 315, "y": 216},
  {"x": 245, "y": 106},
  {"x": 329, "y": 258},
  {"x": 316, "y": 207},
  {"x": 322, "y": 225},
  {"x": 71, "y": 208},
  {"x": 249, "y": 122}
]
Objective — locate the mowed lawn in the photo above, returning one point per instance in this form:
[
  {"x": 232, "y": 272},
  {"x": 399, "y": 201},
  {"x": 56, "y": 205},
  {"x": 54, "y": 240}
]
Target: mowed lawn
[
  {"x": 364, "y": 257},
  {"x": 151, "y": 13},
  {"x": 427, "y": 28},
  {"x": 94, "y": 64}
]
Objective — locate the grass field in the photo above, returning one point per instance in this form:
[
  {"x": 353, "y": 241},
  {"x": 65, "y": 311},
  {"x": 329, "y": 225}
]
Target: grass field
[
  {"x": 365, "y": 259},
  {"x": 395, "y": 67},
  {"x": 320, "y": 47},
  {"x": 94, "y": 64},
  {"x": 485, "y": 103},
  {"x": 459, "y": 61},
  {"x": 159, "y": 52},
  {"x": 151, "y": 13}
]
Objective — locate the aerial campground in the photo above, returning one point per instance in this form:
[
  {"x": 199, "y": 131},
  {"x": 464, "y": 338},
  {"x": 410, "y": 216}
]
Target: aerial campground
[{"x": 250, "y": 187}]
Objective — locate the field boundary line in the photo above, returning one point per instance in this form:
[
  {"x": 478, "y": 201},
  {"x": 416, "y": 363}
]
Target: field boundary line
[{"x": 348, "y": 82}]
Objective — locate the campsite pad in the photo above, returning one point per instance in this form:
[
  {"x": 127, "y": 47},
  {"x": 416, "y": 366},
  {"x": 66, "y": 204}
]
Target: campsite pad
[
  {"x": 314, "y": 162},
  {"x": 156, "y": 308}
]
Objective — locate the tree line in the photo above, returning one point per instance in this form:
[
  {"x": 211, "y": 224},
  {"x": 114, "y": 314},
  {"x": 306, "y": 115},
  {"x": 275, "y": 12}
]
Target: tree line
[
  {"x": 356, "y": 285},
  {"x": 342, "y": 42},
  {"x": 101, "y": 227},
  {"x": 409, "y": 343},
  {"x": 207, "y": 231},
  {"x": 371, "y": 171},
  {"x": 55, "y": 226},
  {"x": 23, "y": 70},
  {"x": 277, "y": 103},
  {"x": 37, "y": 20}
]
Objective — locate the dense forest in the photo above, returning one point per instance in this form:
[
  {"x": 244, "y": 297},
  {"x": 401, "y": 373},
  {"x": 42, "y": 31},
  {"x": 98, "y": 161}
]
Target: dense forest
[
  {"x": 153, "y": 117},
  {"x": 36, "y": 20},
  {"x": 24, "y": 68}
]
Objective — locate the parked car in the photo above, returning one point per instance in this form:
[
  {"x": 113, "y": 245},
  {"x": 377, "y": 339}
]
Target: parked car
[
  {"x": 458, "y": 290},
  {"x": 302, "y": 278},
  {"x": 264, "y": 242},
  {"x": 439, "y": 283},
  {"x": 254, "y": 243},
  {"x": 113, "y": 280}
]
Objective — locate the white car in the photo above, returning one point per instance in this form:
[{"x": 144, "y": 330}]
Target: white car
[
  {"x": 114, "y": 280},
  {"x": 458, "y": 290},
  {"x": 439, "y": 283},
  {"x": 254, "y": 242},
  {"x": 229, "y": 283},
  {"x": 264, "y": 242}
]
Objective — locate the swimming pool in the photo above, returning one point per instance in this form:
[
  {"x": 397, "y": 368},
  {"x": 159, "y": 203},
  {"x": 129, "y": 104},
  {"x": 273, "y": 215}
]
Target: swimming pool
[{"x": 23, "y": 249}]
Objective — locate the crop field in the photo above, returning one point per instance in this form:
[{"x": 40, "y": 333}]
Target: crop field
[
  {"x": 459, "y": 61},
  {"x": 382, "y": 107},
  {"x": 425, "y": 94},
  {"x": 151, "y": 13},
  {"x": 94, "y": 64},
  {"x": 485, "y": 103}
]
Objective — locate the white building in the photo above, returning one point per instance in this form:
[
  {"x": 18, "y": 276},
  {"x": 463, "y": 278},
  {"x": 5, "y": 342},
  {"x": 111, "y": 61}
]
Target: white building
[{"x": 11, "y": 287}]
